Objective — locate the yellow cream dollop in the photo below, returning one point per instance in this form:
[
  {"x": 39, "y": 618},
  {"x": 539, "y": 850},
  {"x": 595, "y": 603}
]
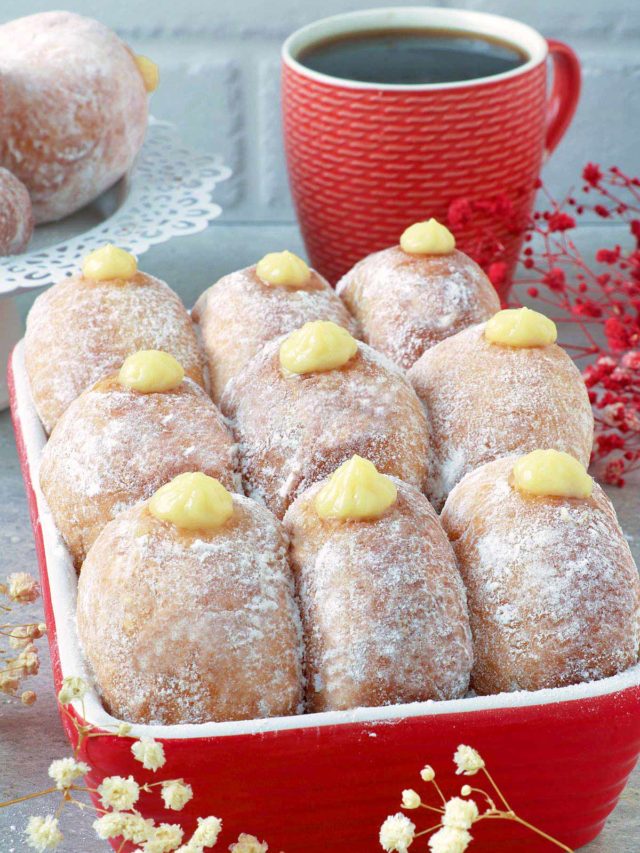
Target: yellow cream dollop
[
  {"x": 192, "y": 501},
  {"x": 316, "y": 346},
  {"x": 150, "y": 371},
  {"x": 109, "y": 262},
  {"x": 552, "y": 473},
  {"x": 520, "y": 327},
  {"x": 356, "y": 490},
  {"x": 427, "y": 238},
  {"x": 283, "y": 269},
  {"x": 150, "y": 72}
]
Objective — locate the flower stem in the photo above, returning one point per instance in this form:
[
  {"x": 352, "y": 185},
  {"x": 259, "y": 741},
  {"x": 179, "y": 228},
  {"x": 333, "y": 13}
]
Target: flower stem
[
  {"x": 535, "y": 829},
  {"x": 28, "y": 797},
  {"x": 497, "y": 790}
]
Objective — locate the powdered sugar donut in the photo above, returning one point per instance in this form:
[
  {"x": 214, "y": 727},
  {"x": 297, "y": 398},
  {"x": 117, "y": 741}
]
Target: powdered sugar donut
[
  {"x": 553, "y": 592},
  {"x": 241, "y": 313},
  {"x": 73, "y": 109},
  {"x": 484, "y": 401},
  {"x": 294, "y": 430},
  {"x": 187, "y": 626},
  {"x": 16, "y": 215},
  {"x": 383, "y": 606},
  {"x": 114, "y": 446},
  {"x": 82, "y": 329},
  {"x": 406, "y": 303}
]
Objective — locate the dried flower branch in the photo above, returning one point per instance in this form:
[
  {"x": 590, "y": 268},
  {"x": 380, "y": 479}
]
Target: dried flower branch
[
  {"x": 118, "y": 817},
  {"x": 456, "y": 816},
  {"x": 18, "y": 653},
  {"x": 595, "y": 302}
]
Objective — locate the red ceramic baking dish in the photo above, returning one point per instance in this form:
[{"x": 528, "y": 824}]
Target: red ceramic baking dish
[{"x": 319, "y": 782}]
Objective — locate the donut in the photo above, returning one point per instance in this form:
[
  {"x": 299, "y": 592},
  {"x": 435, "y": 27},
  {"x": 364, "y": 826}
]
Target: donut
[
  {"x": 485, "y": 399},
  {"x": 411, "y": 296},
  {"x": 308, "y": 401},
  {"x": 553, "y": 592},
  {"x": 73, "y": 109},
  {"x": 83, "y": 328},
  {"x": 383, "y": 607},
  {"x": 186, "y": 611},
  {"x": 16, "y": 215},
  {"x": 120, "y": 440},
  {"x": 248, "y": 308}
]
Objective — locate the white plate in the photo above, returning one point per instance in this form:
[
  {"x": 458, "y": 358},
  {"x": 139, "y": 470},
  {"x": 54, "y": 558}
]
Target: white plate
[{"x": 168, "y": 193}]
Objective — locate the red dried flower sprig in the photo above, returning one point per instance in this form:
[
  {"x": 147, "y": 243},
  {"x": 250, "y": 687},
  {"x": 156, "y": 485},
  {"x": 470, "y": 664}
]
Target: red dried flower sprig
[{"x": 596, "y": 304}]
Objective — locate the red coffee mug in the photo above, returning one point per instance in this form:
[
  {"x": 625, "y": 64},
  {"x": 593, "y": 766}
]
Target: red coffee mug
[{"x": 365, "y": 160}]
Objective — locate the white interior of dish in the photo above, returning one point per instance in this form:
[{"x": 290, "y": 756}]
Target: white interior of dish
[{"x": 63, "y": 585}]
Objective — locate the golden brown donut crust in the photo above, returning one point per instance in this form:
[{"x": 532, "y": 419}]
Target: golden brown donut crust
[
  {"x": 553, "y": 592},
  {"x": 239, "y": 314},
  {"x": 80, "y": 330},
  {"x": 383, "y": 606},
  {"x": 191, "y": 627},
  {"x": 294, "y": 430},
  {"x": 114, "y": 447},
  {"x": 73, "y": 109},
  {"x": 484, "y": 401},
  {"x": 407, "y": 303}
]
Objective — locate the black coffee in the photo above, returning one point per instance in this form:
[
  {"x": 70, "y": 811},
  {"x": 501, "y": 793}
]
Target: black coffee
[{"x": 411, "y": 56}]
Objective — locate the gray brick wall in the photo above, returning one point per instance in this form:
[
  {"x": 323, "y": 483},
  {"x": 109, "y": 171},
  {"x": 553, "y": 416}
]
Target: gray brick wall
[{"x": 219, "y": 63}]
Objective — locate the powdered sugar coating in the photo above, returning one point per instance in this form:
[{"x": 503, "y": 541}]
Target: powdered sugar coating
[
  {"x": 407, "y": 303},
  {"x": 80, "y": 330},
  {"x": 294, "y": 430},
  {"x": 240, "y": 313},
  {"x": 114, "y": 447},
  {"x": 16, "y": 215},
  {"x": 383, "y": 606},
  {"x": 484, "y": 401},
  {"x": 187, "y": 627},
  {"x": 74, "y": 109},
  {"x": 553, "y": 592}
]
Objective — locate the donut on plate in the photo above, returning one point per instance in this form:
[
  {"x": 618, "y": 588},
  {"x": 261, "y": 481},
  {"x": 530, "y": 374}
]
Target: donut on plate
[
  {"x": 409, "y": 297},
  {"x": 16, "y": 215},
  {"x": 500, "y": 387},
  {"x": 123, "y": 438},
  {"x": 310, "y": 400},
  {"x": 248, "y": 308},
  {"x": 73, "y": 109},
  {"x": 553, "y": 592},
  {"x": 186, "y": 610},
  {"x": 383, "y": 606},
  {"x": 83, "y": 328}
]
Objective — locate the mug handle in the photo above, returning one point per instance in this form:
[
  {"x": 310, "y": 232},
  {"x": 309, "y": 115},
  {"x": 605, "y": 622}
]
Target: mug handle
[{"x": 565, "y": 92}]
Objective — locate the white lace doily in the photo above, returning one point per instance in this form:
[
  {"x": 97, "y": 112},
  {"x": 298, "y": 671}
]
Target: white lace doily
[{"x": 168, "y": 193}]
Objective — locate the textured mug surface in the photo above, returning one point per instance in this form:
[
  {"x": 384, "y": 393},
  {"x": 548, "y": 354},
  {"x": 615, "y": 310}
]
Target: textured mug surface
[{"x": 366, "y": 160}]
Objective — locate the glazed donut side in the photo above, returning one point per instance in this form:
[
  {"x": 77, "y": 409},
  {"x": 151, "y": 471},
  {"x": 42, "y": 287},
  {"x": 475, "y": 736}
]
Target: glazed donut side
[
  {"x": 75, "y": 109},
  {"x": 484, "y": 401},
  {"x": 383, "y": 606},
  {"x": 81, "y": 330},
  {"x": 240, "y": 313},
  {"x": 114, "y": 447},
  {"x": 407, "y": 303},
  {"x": 552, "y": 589},
  {"x": 293, "y": 431},
  {"x": 191, "y": 627},
  {"x": 16, "y": 214}
]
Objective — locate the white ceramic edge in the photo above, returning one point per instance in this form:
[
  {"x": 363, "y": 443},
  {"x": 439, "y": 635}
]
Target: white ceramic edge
[
  {"x": 462, "y": 20},
  {"x": 63, "y": 586}
]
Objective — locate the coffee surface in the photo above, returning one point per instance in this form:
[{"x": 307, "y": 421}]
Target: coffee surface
[{"x": 411, "y": 57}]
